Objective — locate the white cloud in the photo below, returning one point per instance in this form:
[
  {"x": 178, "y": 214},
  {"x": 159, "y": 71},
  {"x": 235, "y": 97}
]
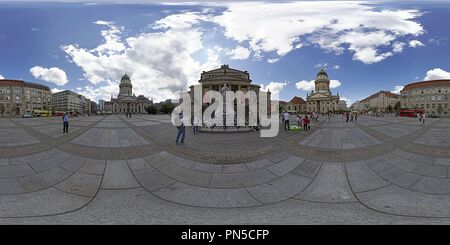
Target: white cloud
[
  {"x": 397, "y": 47},
  {"x": 113, "y": 43},
  {"x": 397, "y": 89},
  {"x": 56, "y": 90},
  {"x": 336, "y": 67},
  {"x": 159, "y": 63},
  {"x": 347, "y": 100},
  {"x": 272, "y": 61},
  {"x": 275, "y": 88},
  {"x": 436, "y": 74},
  {"x": 2, "y": 77},
  {"x": 305, "y": 85},
  {"x": 239, "y": 53},
  {"x": 310, "y": 85},
  {"x": 35, "y": 29},
  {"x": 53, "y": 75},
  {"x": 354, "y": 26},
  {"x": 415, "y": 43},
  {"x": 320, "y": 65}
]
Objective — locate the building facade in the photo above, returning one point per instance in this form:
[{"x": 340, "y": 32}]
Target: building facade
[
  {"x": 228, "y": 79},
  {"x": 321, "y": 100},
  {"x": 68, "y": 101},
  {"x": 101, "y": 105},
  {"x": 342, "y": 105},
  {"x": 18, "y": 97},
  {"x": 296, "y": 105},
  {"x": 357, "y": 106},
  {"x": 431, "y": 96},
  {"x": 380, "y": 101},
  {"x": 126, "y": 101}
]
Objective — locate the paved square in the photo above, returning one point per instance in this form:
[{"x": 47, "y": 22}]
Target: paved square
[{"x": 113, "y": 169}]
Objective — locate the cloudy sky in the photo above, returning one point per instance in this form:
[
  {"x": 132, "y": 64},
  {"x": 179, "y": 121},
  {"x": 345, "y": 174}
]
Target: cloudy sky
[{"x": 87, "y": 46}]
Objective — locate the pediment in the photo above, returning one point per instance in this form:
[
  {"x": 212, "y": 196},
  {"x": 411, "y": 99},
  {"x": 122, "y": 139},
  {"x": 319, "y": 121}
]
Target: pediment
[
  {"x": 127, "y": 99},
  {"x": 319, "y": 96}
]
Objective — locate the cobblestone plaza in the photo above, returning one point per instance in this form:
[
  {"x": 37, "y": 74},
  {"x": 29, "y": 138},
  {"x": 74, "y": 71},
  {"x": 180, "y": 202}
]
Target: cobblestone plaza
[{"x": 118, "y": 170}]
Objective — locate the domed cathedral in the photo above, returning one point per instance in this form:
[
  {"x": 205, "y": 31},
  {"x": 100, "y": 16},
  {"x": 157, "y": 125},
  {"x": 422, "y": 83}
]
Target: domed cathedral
[
  {"x": 321, "y": 100},
  {"x": 126, "y": 101}
]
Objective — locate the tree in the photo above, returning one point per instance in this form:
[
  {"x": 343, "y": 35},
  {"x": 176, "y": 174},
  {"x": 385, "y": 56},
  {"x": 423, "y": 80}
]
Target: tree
[
  {"x": 167, "y": 108},
  {"x": 151, "y": 109},
  {"x": 389, "y": 108},
  {"x": 397, "y": 106}
]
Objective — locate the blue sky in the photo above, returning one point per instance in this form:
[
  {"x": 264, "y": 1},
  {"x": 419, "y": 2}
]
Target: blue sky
[{"x": 86, "y": 47}]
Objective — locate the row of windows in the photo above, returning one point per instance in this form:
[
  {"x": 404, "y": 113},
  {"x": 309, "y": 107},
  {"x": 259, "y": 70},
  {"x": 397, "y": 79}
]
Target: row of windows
[
  {"x": 433, "y": 106},
  {"x": 27, "y": 91},
  {"x": 429, "y": 91},
  {"x": 313, "y": 103},
  {"x": 429, "y": 97}
]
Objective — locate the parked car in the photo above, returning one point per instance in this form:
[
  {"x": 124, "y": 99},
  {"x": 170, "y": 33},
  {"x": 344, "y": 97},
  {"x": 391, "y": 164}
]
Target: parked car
[
  {"x": 27, "y": 116},
  {"x": 433, "y": 116}
]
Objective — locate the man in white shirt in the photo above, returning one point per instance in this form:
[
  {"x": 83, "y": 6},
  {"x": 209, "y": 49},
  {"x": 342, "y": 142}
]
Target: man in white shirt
[{"x": 286, "y": 120}]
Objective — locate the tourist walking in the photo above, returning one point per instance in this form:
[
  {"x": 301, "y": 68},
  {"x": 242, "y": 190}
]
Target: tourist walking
[
  {"x": 286, "y": 120},
  {"x": 305, "y": 123},
  {"x": 424, "y": 115},
  {"x": 181, "y": 130},
  {"x": 356, "y": 116},
  {"x": 65, "y": 119}
]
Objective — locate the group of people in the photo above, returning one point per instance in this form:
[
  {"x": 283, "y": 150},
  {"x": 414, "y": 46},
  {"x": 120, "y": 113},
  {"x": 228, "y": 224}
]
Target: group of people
[
  {"x": 302, "y": 122},
  {"x": 422, "y": 117},
  {"x": 350, "y": 116}
]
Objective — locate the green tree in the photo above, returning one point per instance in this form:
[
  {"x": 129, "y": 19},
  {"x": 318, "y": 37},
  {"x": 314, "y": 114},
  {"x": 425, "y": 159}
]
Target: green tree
[
  {"x": 167, "y": 108},
  {"x": 389, "y": 108},
  {"x": 151, "y": 109},
  {"x": 397, "y": 106}
]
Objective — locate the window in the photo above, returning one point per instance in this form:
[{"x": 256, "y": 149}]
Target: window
[{"x": 433, "y": 105}]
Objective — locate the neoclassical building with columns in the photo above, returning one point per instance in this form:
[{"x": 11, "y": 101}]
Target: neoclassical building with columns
[
  {"x": 126, "y": 101},
  {"x": 321, "y": 100}
]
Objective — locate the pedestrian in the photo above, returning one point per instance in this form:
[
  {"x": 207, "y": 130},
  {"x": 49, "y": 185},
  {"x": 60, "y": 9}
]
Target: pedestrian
[
  {"x": 286, "y": 120},
  {"x": 356, "y": 116},
  {"x": 424, "y": 115},
  {"x": 65, "y": 119},
  {"x": 347, "y": 116},
  {"x": 181, "y": 130},
  {"x": 195, "y": 123},
  {"x": 305, "y": 123},
  {"x": 299, "y": 121}
]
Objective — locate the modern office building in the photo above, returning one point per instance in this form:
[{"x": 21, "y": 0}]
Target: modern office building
[
  {"x": 18, "y": 97},
  {"x": 101, "y": 105},
  {"x": 431, "y": 96},
  {"x": 67, "y": 101}
]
